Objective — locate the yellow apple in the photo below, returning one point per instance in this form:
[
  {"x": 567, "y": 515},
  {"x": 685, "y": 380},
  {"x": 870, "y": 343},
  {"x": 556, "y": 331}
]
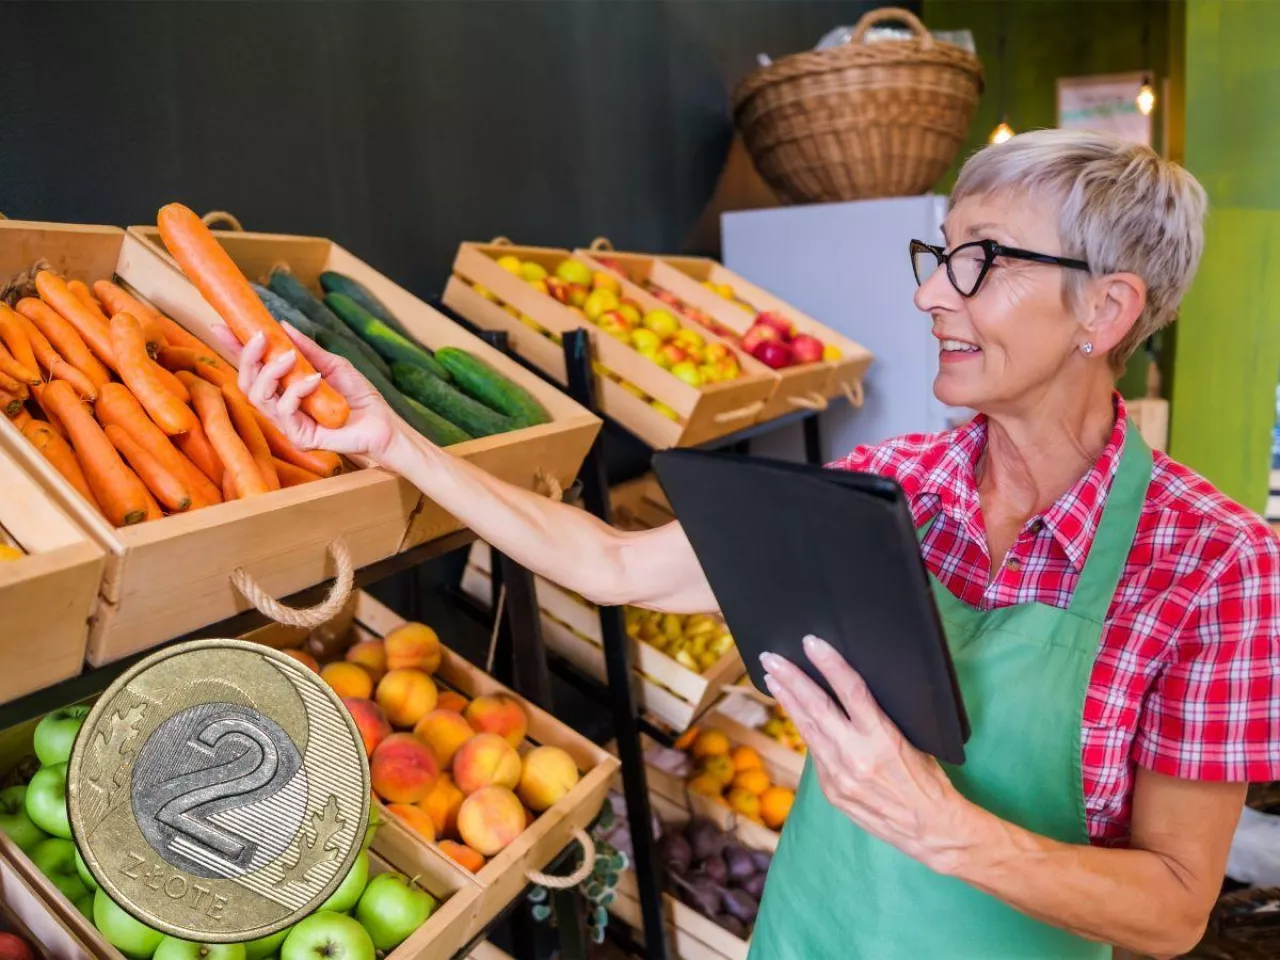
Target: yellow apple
[
  {"x": 571, "y": 271},
  {"x": 666, "y": 411},
  {"x": 689, "y": 339},
  {"x": 631, "y": 310},
  {"x": 688, "y": 372},
  {"x": 533, "y": 271},
  {"x": 831, "y": 352},
  {"x": 661, "y": 322},
  {"x": 540, "y": 286},
  {"x": 645, "y": 340},
  {"x": 484, "y": 292},
  {"x": 600, "y": 302},
  {"x": 602, "y": 280},
  {"x": 578, "y": 295},
  {"x": 511, "y": 265}
]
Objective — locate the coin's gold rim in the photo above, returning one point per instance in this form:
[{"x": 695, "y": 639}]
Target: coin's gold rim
[{"x": 91, "y": 862}]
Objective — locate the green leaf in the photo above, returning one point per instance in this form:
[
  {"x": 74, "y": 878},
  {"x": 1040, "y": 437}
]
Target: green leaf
[{"x": 541, "y": 912}]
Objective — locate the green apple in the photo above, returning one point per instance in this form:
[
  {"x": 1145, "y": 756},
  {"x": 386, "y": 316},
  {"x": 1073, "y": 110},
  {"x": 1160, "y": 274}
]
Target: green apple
[
  {"x": 129, "y": 936},
  {"x": 14, "y": 822},
  {"x": 47, "y": 800},
  {"x": 344, "y": 899},
  {"x": 571, "y": 271},
  {"x": 391, "y": 908},
  {"x": 375, "y": 821},
  {"x": 328, "y": 936},
  {"x": 171, "y": 948},
  {"x": 56, "y": 859},
  {"x": 56, "y": 734},
  {"x": 85, "y": 906},
  {"x": 265, "y": 947},
  {"x": 82, "y": 868}
]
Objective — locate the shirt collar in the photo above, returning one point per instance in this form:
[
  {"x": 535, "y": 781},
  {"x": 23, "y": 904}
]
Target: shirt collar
[{"x": 1072, "y": 520}]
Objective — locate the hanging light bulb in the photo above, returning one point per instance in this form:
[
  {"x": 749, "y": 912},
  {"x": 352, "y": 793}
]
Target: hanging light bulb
[
  {"x": 1146, "y": 98},
  {"x": 1003, "y": 133}
]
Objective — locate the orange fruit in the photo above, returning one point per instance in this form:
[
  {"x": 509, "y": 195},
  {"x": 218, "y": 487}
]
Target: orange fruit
[
  {"x": 775, "y": 804},
  {"x": 304, "y": 658},
  {"x": 753, "y": 781},
  {"x": 706, "y": 786},
  {"x": 718, "y": 768},
  {"x": 711, "y": 743},
  {"x": 745, "y": 758},
  {"x": 744, "y": 802},
  {"x": 685, "y": 740}
]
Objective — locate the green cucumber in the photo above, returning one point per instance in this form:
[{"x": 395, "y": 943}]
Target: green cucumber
[
  {"x": 434, "y": 394},
  {"x": 285, "y": 312},
  {"x": 476, "y": 378},
  {"x": 434, "y": 428},
  {"x": 389, "y": 344},
  {"x": 286, "y": 286},
  {"x": 333, "y": 282}
]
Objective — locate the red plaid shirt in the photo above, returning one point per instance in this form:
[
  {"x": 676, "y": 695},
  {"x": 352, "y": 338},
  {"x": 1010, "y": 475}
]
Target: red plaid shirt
[{"x": 1187, "y": 677}]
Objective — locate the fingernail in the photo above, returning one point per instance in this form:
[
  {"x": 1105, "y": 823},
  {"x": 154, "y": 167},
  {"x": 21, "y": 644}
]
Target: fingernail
[
  {"x": 768, "y": 682},
  {"x": 257, "y": 337},
  {"x": 313, "y": 379},
  {"x": 769, "y": 661},
  {"x": 816, "y": 645}
]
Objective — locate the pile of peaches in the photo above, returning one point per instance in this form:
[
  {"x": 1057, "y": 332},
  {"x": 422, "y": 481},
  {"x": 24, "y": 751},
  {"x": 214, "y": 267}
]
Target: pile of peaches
[{"x": 455, "y": 771}]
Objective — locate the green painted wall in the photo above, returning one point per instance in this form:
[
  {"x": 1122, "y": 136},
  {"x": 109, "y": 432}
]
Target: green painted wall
[{"x": 1228, "y": 357}]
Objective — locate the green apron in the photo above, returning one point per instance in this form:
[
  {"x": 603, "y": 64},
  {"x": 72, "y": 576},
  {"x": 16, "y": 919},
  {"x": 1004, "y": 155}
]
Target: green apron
[{"x": 835, "y": 891}]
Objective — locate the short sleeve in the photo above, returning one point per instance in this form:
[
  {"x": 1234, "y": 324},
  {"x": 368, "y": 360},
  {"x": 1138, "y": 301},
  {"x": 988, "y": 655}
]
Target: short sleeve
[
  {"x": 1214, "y": 713},
  {"x": 859, "y": 460}
]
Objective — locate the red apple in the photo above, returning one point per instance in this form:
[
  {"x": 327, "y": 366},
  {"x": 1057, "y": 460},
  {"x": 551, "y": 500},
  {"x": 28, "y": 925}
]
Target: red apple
[
  {"x": 557, "y": 288},
  {"x": 774, "y": 353},
  {"x": 777, "y": 321},
  {"x": 13, "y": 947},
  {"x": 758, "y": 334},
  {"x": 807, "y": 349},
  {"x": 671, "y": 354}
]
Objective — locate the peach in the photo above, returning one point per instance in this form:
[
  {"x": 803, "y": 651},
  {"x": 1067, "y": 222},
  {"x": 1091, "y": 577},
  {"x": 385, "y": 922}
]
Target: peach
[
  {"x": 370, "y": 721},
  {"x": 413, "y": 646},
  {"x": 442, "y": 804},
  {"x": 304, "y": 658},
  {"x": 403, "y": 769},
  {"x": 406, "y": 696},
  {"x": 416, "y": 820},
  {"x": 347, "y": 680},
  {"x": 490, "y": 819},
  {"x": 370, "y": 654},
  {"x": 498, "y": 714},
  {"x": 549, "y": 773},
  {"x": 486, "y": 760},
  {"x": 462, "y": 855},
  {"x": 451, "y": 700},
  {"x": 444, "y": 732}
]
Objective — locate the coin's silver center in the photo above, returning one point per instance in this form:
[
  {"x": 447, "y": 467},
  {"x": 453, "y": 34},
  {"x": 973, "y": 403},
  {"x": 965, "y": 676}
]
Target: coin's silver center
[{"x": 219, "y": 790}]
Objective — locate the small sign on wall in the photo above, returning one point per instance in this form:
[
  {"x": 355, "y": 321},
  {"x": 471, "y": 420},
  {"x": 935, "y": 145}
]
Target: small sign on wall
[{"x": 1104, "y": 102}]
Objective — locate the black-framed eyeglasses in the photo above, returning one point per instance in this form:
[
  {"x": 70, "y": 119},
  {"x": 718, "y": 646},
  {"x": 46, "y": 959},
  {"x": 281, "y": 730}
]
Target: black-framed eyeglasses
[{"x": 967, "y": 265}]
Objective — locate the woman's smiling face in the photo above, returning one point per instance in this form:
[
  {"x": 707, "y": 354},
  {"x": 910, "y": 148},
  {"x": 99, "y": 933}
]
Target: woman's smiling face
[{"x": 1008, "y": 345}]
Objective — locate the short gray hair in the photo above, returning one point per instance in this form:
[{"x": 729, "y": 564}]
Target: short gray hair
[{"x": 1121, "y": 207}]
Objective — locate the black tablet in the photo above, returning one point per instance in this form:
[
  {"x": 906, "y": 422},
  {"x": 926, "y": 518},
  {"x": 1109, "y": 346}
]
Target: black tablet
[{"x": 792, "y": 550}]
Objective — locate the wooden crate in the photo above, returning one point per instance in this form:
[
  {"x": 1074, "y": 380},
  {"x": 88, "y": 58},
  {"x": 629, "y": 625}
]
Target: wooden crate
[
  {"x": 170, "y": 576},
  {"x": 22, "y": 911},
  {"x": 48, "y": 596},
  {"x": 704, "y": 412},
  {"x": 684, "y": 276},
  {"x": 504, "y": 877},
  {"x": 522, "y": 457}
]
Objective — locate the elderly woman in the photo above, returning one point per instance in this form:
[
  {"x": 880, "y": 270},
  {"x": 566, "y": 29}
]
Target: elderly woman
[{"x": 1115, "y": 621}]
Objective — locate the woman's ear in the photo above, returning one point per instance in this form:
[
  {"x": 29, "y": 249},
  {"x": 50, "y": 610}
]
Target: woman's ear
[{"x": 1117, "y": 303}]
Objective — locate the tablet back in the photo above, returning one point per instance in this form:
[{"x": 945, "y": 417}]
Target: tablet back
[{"x": 791, "y": 550}]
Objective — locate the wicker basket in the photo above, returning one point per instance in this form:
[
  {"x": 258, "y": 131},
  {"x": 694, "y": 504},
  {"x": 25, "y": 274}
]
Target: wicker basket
[{"x": 860, "y": 120}]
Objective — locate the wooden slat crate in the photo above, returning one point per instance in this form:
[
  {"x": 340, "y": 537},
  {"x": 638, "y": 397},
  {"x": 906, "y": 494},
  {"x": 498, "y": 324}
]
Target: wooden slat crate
[
  {"x": 504, "y": 876},
  {"x": 522, "y": 457},
  {"x": 46, "y": 597},
  {"x": 24, "y": 912},
  {"x": 166, "y": 577},
  {"x": 684, "y": 277},
  {"x": 703, "y": 412}
]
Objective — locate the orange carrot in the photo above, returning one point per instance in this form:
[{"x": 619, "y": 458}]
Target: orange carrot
[
  {"x": 88, "y": 323},
  {"x": 320, "y": 462},
  {"x": 246, "y": 424},
  {"x": 195, "y": 446},
  {"x": 222, "y": 284},
  {"x": 37, "y": 392},
  {"x": 153, "y": 509},
  {"x": 170, "y": 382},
  {"x": 15, "y": 339},
  {"x": 10, "y": 385},
  {"x": 64, "y": 337},
  {"x": 205, "y": 363},
  {"x": 122, "y": 496},
  {"x": 48, "y": 359},
  {"x": 229, "y": 487},
  {"x": 10, "y": 403},
  {"x": 22, "y": 419},
  {"x": 231, "y": 450},
  {"x": 116, "y": 299},
  {"x": 85, "y": 296},
  {"x": 139, "y": 372},
  {"x": 10, "y": 367},
  {"x": 291, "y": 476},
  {"x": 59, "y": 453},
  {"x": 166, "y": 487},
  {"x": 117, "y": 407}
]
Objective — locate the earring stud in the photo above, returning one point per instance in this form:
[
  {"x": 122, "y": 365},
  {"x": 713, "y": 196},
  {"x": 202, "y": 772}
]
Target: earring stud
[{"x": 1086, "y": 348}]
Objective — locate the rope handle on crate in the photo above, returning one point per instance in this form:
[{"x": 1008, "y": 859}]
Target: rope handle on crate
[
  {"x": 814, "y": 401},
  {"x": 853, "y": 393},
  {"x": 741, "y": 413},
  {"x": 600, "y": 243},
  {"x": 222, "y": 216},
  {"x": 893, "y": 15},
  {"x": 308, "y": 618},
  {"x": 572, "y": 880},
  {"x": 500, "y": 241}
]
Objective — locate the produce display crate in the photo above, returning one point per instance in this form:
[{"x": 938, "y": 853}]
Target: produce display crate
[
  {"x": 504, "y": 876},
  {"x": 25, "y": 913},
  {"x": 48, "y": 596},
  {"x": 704, "y": 412},
  {"x": 522, "y": 457},
  {"x": 777, "y": 752},
  {"x": 166, "y": 577},
  {"x": 684, "y": 277}
]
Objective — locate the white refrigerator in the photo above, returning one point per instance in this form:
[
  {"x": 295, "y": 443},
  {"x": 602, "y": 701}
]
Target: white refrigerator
[{"x": 846, "y": 264}]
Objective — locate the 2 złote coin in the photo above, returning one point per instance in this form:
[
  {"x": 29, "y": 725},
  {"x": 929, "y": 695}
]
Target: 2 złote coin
[{"x": 219, "y": 791}]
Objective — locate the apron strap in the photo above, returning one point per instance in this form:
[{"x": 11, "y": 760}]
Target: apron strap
[{"x": 1112, "y": 541}]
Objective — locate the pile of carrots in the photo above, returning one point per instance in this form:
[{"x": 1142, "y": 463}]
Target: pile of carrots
[{"x": 140, "y": 416}]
